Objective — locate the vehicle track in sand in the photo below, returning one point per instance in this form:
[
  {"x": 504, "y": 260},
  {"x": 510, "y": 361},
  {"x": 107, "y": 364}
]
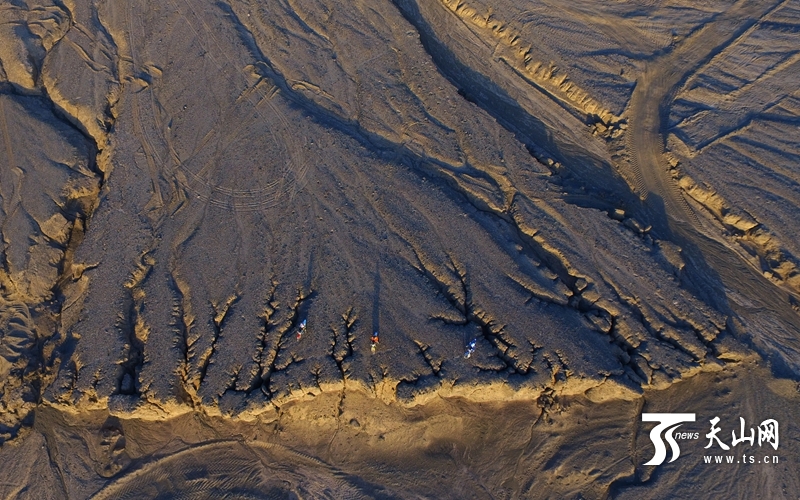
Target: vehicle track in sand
[
  {"x": 205, "y": 169},
  {"x": 648, "y": 115},
  {"x": 237, "y": 469},
  {"x": 656, "y": 89}
]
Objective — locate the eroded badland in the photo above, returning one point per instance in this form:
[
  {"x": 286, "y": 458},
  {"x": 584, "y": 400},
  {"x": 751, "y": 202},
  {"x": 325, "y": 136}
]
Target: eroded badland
[{"x": 209, "y": 208}]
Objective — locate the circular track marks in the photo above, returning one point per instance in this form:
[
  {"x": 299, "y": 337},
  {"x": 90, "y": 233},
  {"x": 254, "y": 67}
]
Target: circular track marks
[
  {"x": 232, "y": 469},
  {"x": 233, "y": 143}
]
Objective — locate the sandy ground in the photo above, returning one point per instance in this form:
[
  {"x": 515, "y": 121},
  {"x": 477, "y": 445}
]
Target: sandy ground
[
  {"x": 208, "y": 209},
  {"x": 361, "y": 447}
]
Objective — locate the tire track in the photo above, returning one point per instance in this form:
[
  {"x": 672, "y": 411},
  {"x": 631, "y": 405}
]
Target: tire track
[
  {"x": 9, "y": 206},
  {"x": 150, "y": 154},
  {"x": 243, "y": 469},
  {"x": 748, "y": 293},
  {"x": 293, "y": 174},
  {"x": 195, "y": 171},
  {"x": 652, "y": 97}
]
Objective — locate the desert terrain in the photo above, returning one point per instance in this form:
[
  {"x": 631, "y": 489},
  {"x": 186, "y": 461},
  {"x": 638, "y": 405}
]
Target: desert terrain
[{"x": 398, "y": 248}]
